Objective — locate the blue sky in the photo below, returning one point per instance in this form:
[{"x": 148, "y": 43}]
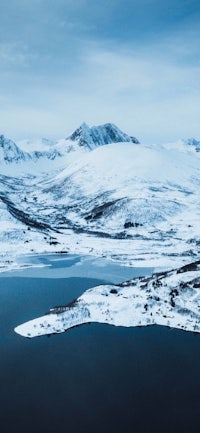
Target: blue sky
[{"x": 135, "y": 63}]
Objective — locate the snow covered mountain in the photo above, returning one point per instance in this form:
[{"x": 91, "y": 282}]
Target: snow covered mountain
[
  {"x": 127, "y": 201},
  {"x": 10, "y": 152},
  {"x": 102, "y": 193},
  {"x": 138, "y": 199},
  {"x": 46, "y": 155},
  {"x": 100, "y": 135}
]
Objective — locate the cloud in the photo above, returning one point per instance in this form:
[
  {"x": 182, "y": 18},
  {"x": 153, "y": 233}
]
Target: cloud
[
  {"x": 62, "y": 64},
  {"x": 11, "y": 55},
  {"x": 150, "y": 97}
]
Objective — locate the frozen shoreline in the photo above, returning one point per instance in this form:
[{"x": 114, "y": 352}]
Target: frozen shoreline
[
  {"x": 169, "y": 298},
  {"x": 127, "y": 252},
  {"x": 56, "y": 266}
]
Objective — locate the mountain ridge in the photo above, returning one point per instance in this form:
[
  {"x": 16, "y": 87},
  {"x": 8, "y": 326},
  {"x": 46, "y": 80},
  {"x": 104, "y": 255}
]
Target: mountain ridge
[
  {"x": 83, "y": 137},
  {"x": 10, "y": 152},
  {"x": 100, "y": 135}
]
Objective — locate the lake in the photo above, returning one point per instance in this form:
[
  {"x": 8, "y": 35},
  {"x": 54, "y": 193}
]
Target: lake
[{"x": 94, "y": 378}]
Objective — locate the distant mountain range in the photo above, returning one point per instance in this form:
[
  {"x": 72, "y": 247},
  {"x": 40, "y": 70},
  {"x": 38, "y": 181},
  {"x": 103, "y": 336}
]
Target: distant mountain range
[{"x": 84, "y": 136}]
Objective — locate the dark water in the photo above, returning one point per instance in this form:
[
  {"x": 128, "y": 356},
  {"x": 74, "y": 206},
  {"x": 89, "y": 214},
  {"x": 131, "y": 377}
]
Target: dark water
[{"x": 95, "y": 378}]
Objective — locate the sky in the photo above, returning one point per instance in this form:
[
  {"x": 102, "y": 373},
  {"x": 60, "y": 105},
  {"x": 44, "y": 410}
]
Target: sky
[{"x": 135, "y": 63}]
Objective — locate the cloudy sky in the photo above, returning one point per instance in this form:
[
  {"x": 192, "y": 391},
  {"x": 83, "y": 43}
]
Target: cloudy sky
[{"x": 135, "y": 63}]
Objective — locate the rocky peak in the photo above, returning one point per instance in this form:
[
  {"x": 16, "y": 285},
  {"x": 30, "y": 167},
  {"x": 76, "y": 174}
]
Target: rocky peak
[
  {"x": 10, "y": 152},
  {"x": 100, "y": 135}
]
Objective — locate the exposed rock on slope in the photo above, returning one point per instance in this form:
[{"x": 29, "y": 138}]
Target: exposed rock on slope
[
  {"x": 193, "y": 142},
  {"x": 10, "y": 152},
  {"x": 100, "y": 135}
]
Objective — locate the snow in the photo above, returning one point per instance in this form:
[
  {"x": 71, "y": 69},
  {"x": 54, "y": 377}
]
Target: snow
[
  {"x": 154, "y": 188},
  {"x": 122, "y": 164},
  {"x": 100, "y": 135},
  {"x": 129, "y": 202},
  {"x": 40, "y": 144},
  {"x": 10, "y": 152},
  {"x": 170, "y": 299},
  {"x": 101, "y": 193}
]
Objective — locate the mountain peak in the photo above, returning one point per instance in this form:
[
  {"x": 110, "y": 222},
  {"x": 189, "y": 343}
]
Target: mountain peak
[
  {"x": 100, "y": 135},
  {"x": 9, "y": 151},
  {"x": 81, "y": 134}
]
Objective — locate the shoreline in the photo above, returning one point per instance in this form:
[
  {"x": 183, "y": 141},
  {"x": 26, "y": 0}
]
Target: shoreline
[{"x": 74, "y": 265}]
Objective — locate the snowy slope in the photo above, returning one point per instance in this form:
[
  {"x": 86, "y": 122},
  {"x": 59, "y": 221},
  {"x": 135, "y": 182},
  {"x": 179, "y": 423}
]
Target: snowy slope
[
  {"x": 189, "y": 145},
  {"x": 36, "y": 158},
  {"x": 40, "y": 148},
  {"x": 40, "y": 144},
  {"x": 127, "y": 201},
  {"x": 123, "y": 193}
]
